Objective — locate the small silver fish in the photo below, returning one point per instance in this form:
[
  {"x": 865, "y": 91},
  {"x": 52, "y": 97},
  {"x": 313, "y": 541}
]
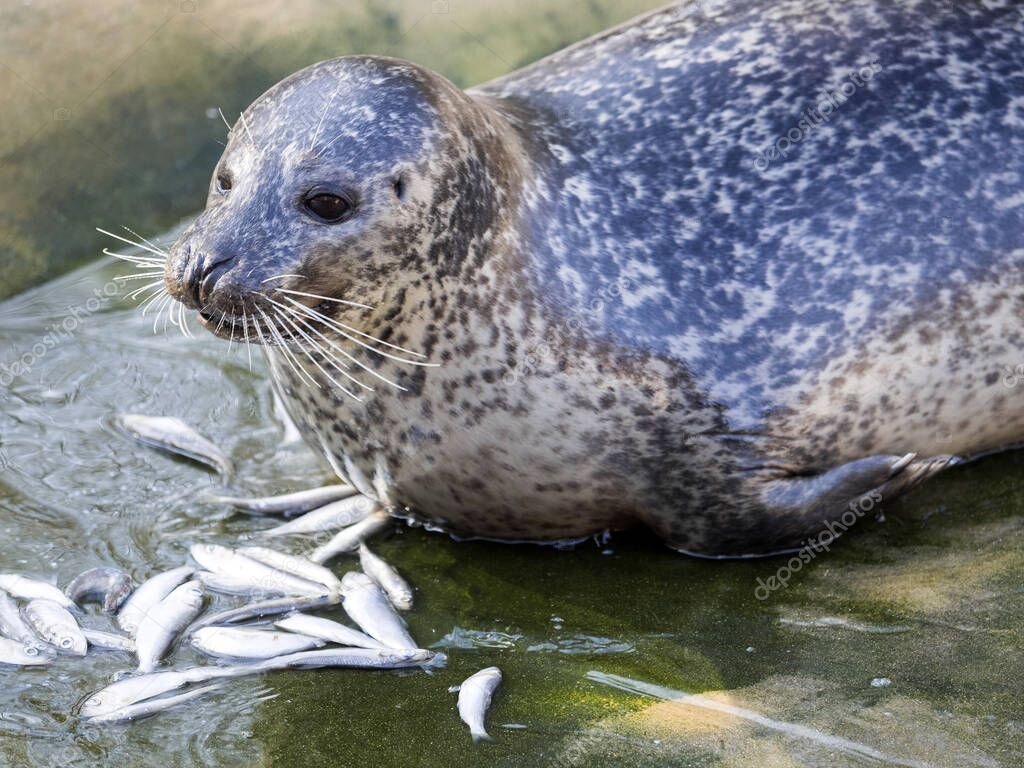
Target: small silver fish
[
  {"x": 293, "y": 564},
  {"x": 226, "y": 584},
  {"x": 394, "y": 586},
  {"x": 332, "y": 631},
  {"x": 109, "y": 587},
  {"x": 264, "y": 608},
  {"x": 21, "y": 655},
  {"x": 347, "y": 539},
  {"x": 108, "y": 641},
  {"x": 106, "y": 705},
  {"x": 475, "y": 699},
  {"x": 55, "y": 624},
  {"x": 132, "y": 690},
  {"x": 164, "y": 621},
  {"x": 368, "y": 607},
  {"x": 218, "y": 559},
  {"x": 287, "y": 504},
  {"x": 326, "y": 518},
  {"x": 245, "y": 643},
  {"x": 152, "y": 706},
  {"x": 151, "y": 592},
  {"x": 11, "y": 623},
  {"x": 174, "y": 435},
  {"x": 363, "y": 658},
  {"x": 31, "y": 589}
]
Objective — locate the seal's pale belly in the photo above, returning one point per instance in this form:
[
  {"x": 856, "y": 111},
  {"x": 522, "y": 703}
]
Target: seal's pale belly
[{"x": 719, "y": 271}]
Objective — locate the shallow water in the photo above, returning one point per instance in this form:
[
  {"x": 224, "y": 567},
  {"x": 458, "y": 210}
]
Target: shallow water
[{"x": 901, "y": 646}]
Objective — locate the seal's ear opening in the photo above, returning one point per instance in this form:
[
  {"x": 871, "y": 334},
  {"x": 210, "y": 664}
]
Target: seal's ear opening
[
  {"x": 399, "y": 181},
  {"x": 400, "y": 184}
]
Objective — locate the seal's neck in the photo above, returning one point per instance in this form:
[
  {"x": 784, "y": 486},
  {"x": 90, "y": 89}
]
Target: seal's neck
[{"x": 467, "y": 263}]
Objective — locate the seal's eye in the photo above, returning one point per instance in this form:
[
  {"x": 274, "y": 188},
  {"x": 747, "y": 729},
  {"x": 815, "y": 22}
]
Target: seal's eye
[
  {"x": 328, "y": 207},
  {"x": 223, "y": 181}
]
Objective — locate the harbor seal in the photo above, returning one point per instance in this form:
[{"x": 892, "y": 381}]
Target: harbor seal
[{"x": 728, "y": 271}]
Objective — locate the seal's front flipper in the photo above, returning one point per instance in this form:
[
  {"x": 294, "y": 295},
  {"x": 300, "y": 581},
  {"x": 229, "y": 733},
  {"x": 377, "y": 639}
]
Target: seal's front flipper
[
  {"x": 808, "y": 503},
  {"x": 834, "y": 489},
  {"x": 770, "y": 511}
]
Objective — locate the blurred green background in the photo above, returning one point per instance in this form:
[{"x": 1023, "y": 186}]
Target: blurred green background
[{"x": 109, "y": 109}]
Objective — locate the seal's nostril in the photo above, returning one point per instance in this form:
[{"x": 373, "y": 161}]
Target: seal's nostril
[{"x": 212, "y": 272}]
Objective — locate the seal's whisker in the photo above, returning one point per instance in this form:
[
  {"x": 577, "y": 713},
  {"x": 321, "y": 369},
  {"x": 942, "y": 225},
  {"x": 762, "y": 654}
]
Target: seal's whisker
[
  {"x": 319, "y": 125},
  {"x": 139, "y": 291},
  {"x": 226, "y": 123},
  {"x": 259, "y": 332},
  {"x": 268, "y": 349},
  {"x": 162, "y": 301},
  {"x": 231, "y": 339},
  {"x": 141, "y": 262},
  {"x": 347, "y": 332},
  {"x": 289, "y": 320},
  {"x": 152, "y": 301},
  {"x": 327, "y": 146},
  {"x": 223, "y": 317},
  {"x": 169, "y": 315},
  {"x": 161, "y": 254},
  {"x": 288, "y": 356},
  {"x": 324, "y": 298},
  {"x": 290, "y": 317},
  {"x": 245, "y": 124},
  {"x": 158, "y": 304},
  {"x": 362, "y": 333},
  {"x": 140, "y": 276},
  {"x": 174, "y": 313},
  {"x": 144, "y": 304},
  {"x": 323, "y": 370},
  {"x": 131, "y": 231},
  {"x": 344, "y": 331},
  {"x": 245, "y": 333},
  {"x": 348, "y": 356},
  {"x": 183, "y": 318},
  {"x": 275, "y": 277},
  {"x": 162, "y": 310}
]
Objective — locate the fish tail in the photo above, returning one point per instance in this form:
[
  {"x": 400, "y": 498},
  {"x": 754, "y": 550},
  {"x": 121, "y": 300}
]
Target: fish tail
[{"x": 481, "y": 736}]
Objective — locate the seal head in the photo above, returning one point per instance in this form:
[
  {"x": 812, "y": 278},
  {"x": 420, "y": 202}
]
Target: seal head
[{"x": 332, "y": 183}]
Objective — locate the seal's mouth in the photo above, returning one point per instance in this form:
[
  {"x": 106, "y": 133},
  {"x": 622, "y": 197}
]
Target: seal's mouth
[
  {"x": 228, "y": 326},
  {"x": 254, "y": 324}
]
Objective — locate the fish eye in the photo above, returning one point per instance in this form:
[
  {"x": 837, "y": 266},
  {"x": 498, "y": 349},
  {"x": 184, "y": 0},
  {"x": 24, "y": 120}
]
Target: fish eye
[
  {"x": 31, "y": 650},
  {"x": 66, "y": 642},
  {"x": 328, "y": 207}
]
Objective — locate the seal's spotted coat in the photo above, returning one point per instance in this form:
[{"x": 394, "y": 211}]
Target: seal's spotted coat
[{"x": 641, "y": 315}]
